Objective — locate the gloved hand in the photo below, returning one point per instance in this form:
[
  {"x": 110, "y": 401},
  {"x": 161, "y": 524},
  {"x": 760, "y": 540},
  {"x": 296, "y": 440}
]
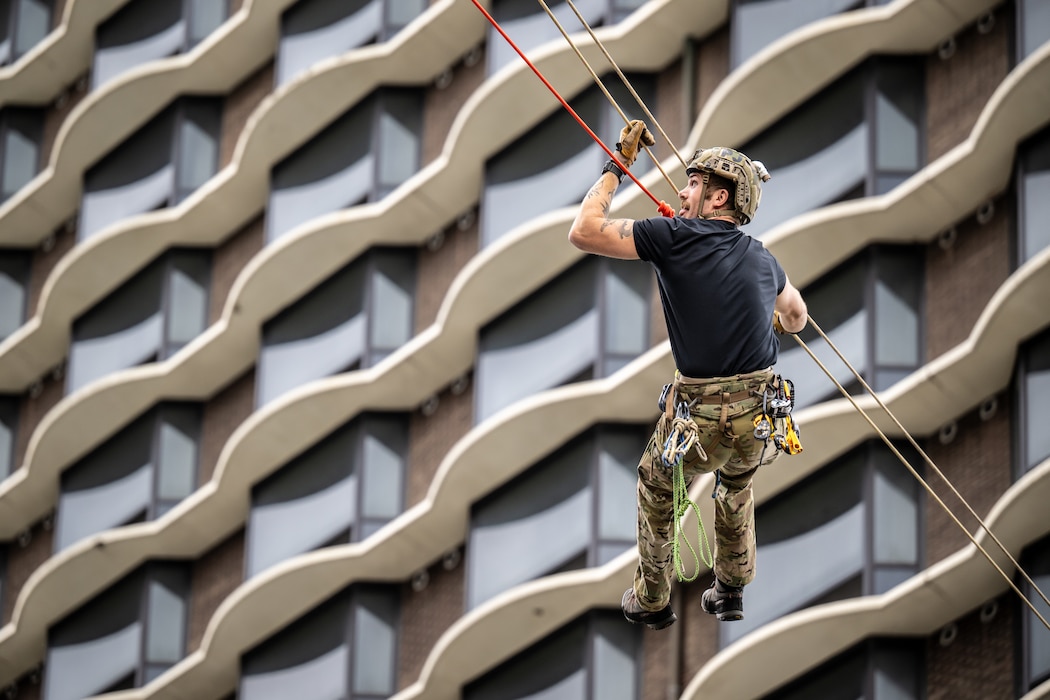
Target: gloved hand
[
  {"x": 776, "y": 323},
  {"x": 631, "y": 136}
]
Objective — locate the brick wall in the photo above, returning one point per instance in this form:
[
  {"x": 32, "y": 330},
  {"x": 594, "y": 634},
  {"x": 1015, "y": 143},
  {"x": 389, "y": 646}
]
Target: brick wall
[
  {"x": 214, "y": 576},
  {"x": 979, "y": 662},
  {"x": 222, "y": 414},
  {"x": 229, "y": 260},
  {"x": 442, "y": 105},
  {"x": 427, "y": 614},
  {"x": 239, "y": 106},
  {"x": 22, "y": 561}
]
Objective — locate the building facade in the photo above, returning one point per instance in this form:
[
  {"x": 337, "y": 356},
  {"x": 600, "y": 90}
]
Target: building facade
[{"x": 262, "y": 244}]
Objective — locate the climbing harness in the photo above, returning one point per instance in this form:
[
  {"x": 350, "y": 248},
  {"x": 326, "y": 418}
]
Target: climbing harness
[
  {"x": 778, "y": 401},
  {"x": 682, "y": 438}
]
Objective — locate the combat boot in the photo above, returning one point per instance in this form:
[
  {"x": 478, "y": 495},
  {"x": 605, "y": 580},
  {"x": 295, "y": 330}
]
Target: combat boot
[
  {"x": 634, "y": 612},
  {"x": 723, "y": 601}
]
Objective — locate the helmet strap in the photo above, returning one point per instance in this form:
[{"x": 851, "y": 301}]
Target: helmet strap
[{"x": 703, "y": 198}]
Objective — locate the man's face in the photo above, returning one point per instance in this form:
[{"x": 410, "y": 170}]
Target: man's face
[{"x": 690, "y": 196}]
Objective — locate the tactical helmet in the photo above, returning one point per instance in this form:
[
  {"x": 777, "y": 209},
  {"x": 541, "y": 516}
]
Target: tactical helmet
[{"x": 735, "y": 166}]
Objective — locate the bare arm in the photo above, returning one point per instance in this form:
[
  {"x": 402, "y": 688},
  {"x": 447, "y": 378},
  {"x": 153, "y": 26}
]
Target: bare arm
[
  {"x": 792, "y": 309},
  {"x": 593, "y": 232}
]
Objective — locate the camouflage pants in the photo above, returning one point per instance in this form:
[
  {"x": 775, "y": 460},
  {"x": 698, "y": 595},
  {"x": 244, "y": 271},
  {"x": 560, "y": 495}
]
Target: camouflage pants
[{"x": 723, "y": 409}]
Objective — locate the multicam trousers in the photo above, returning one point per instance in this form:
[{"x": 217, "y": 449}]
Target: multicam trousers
[{"x": 723, "y": 409}]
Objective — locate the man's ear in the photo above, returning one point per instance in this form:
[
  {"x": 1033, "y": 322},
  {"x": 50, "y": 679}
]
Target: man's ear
[{"x": 721, "y": 199}]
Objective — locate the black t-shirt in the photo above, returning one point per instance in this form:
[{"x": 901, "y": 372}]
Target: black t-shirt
[{"x": 718, "y": 286}]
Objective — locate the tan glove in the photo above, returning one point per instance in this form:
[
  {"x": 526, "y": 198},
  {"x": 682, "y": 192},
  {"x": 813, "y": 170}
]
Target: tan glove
[
  {"x": 776, "y": 323},
  {"x": 631, "y": 136}
]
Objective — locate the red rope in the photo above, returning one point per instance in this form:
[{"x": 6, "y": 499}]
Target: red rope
[{"x": 662, "y": 207}]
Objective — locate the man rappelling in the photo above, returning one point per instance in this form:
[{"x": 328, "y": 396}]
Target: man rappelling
[{"x": 720, "y": 288}]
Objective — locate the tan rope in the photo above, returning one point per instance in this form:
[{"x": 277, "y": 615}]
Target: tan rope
[
  {"x": 914, "y": 473},
  {"x": 608, "y": 95}
]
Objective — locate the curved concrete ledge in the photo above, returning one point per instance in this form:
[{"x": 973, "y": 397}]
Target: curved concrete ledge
[
  {"x": 788, "y": 71},
  {"x": 1039, "y": 692},
  {"x": 102, "y": 120},
  {"x": 65, "y": 54},
  {"x": 794, "y": 644},
  {"x": 937, "y": 196}
]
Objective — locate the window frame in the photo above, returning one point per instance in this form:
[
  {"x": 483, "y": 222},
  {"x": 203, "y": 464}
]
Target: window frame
[
  {"x": 1035, "y": 556},
  {"x": 15, "y": 12},
  {"x": 29, "y": 116},
  {"x": 10, "y": 410}
]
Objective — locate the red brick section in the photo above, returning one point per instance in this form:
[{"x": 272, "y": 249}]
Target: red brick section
[
  {"x": 431, "y": 437},
  {"x": 441, "y": 106},
  {"x": 958, "y": 88},
  {"x": 34, "y": 405},
  {"x": 44, "y": 259},
  {"x": 30, "y": 687},
  {"x": 438, "y": 267},
  {"x": 222, "y": 414},
  {"x": 978, "y": 463},
  {"x": 214, "y": 576},
  {"x": 962, "y": 278},
  {"x": 426, "y": 615},
  {"x": 22, "y": 562},
  {"x": 239, "y": 106},
  {"x": 712, "y": 68},
  {"x": 228, "y": 260},
  {"x": 979, "y": 663},
  {"x": 57, "y": 112}
]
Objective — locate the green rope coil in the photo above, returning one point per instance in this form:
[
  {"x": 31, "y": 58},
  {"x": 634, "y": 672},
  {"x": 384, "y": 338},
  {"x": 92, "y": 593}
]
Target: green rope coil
[{"x": 682, "y": 503}]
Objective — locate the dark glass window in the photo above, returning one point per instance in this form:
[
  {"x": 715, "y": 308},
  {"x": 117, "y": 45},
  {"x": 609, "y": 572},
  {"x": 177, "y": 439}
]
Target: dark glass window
[
  {"x": 863, "y": 514},
  {"x": 758, "y": 23},
  {"x": 1033, "y": 186},
  {"x": 529, "y": 26},
  {"x": 1036, "y": 638},
  {"x": 147, "y": 30},
  {"x": 23, "y": 25},
  {"x": 1033, "y": 26},
  {"x": 123, "y": 638},
  {"x": 861, "y": 136},
  {"x": 20, "y": 137},
  {"x": 575, "y": 509},
  {"x": 1034, "y": 385},
  {"x": 14, "y": 287},
  {"x": 344, "y": 648},
  {"x": 341, "y": 490},
  {"x": 878, "y": 669},
  {"x": 871, "y": 307},
  {"x": 528, "y": 178},
  {"x": 352, "y": 320},
  {"x": 360, "y": 157},
  {"x": 158, "y": 166},
  {"x": 147, "y": 319},
  {"x": 315, "y": 30},
  {"x": 137, "y": 475},
  {"x": 587, "y": 323},
  {"x": 596, "y": 657},
  {"x": 8, "y": 431}
]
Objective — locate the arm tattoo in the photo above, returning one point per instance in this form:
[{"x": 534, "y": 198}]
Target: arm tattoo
[{"x": 621, "y": 226}]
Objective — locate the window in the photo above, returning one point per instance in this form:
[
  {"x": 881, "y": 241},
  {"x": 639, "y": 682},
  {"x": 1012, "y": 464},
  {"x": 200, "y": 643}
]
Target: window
[
  {"x": 361, "y": 157},
  {"x": 862, "y": 513},
  {"x": 137, "y": 475},
  {"x": 587, "y": 323},
  {"x": 877, "y": 669},
  {"x": 861, "y": 136},
  {"x": 1035, "y": 662},
  {"x": 123, "y": 638},
  {"x": 531, "y": 177},
  {"x": 14, "y": 285},
  {"x": 341, "y": 490},
  {"x": 158, "y": 166},
  {"x": 1033, "y": 184},
  {"x": 23, "y": 25},
  {"x": 1033, "y": 26},
  {"x": 344, "y": 648},
  {"x": 573, "y": 510},
  {"x": 352, "y": 320},
  {"x": 596, "y": 657},
  {"x": 147, "y": 319},
  {"x": 20, "y": 136},
  {"x": 147, "y": 30},
  {"x": 871, "y": 307},
  {"x": 758, "y": 23},
  {"x": 314, "y": 30},
  {"x": 1034, "y": 393},
  {"x": 529, "y": 26},
  {"x": 8, "y": 431}
]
